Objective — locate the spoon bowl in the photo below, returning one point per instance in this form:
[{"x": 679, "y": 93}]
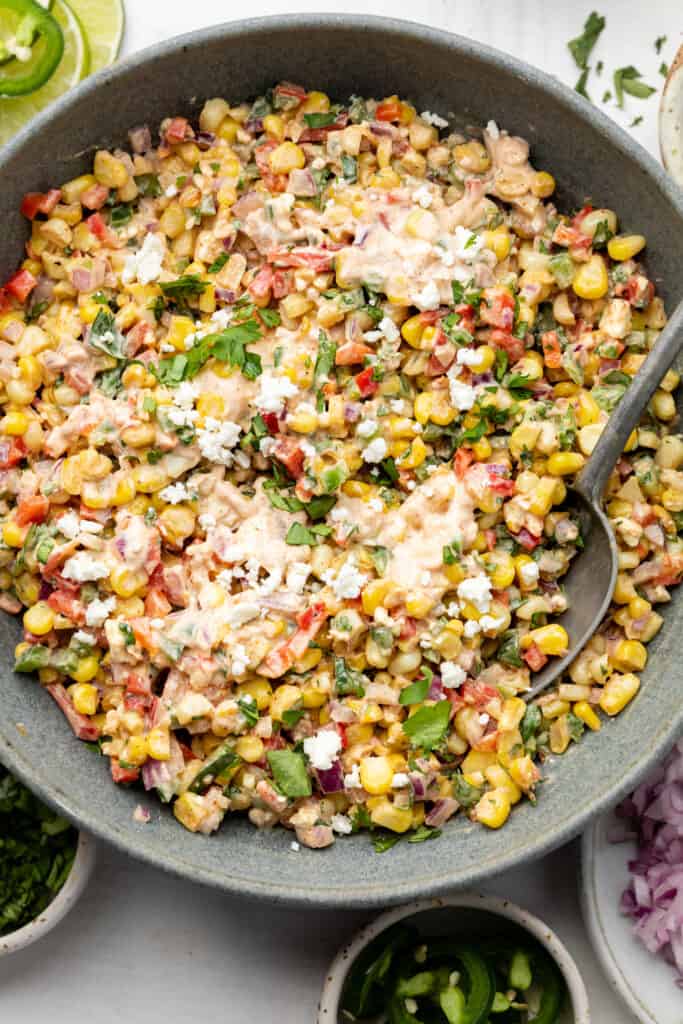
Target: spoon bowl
[{"x": 590, "y": 582}]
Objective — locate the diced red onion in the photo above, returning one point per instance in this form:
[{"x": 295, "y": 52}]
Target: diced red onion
[
  {"x": 382, "y": 128},
  {"x": 255, "y": 126},
  {"x": 302, "y": 183},
  {"x": 341, "y": 713},
  {"x": 140, "y": 139},
  {"x": 441, "y": 812},
  {"x": 331, "y": 780},
  {"x": 417, "y": 781},
  {"x": 435, "y": 689},
  {"x": 247, "y": 204},
  {"x": 361, "y": 234},
  {"x": 13, "y": 330},
  {"x": 226, "y": 295},
  {"x": 80, "y": 279},
  {"x": 43, "y": 290},
  {"x": 654, "y": 898},
  {"x": 352, "y": 412},
  {"x": 205, "y": 140}
]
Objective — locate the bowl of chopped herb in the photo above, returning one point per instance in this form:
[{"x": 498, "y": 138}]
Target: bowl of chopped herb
[{"x": 45, "y": 864}]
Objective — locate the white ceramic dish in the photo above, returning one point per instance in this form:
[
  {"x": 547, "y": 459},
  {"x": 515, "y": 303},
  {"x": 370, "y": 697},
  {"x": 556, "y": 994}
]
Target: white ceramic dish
[
  {"x": 671, "y": 120},
  {"x": 452, "y": 916},
  {"x": 69, "y": 894},
  {"x": 644, "y": 981}
]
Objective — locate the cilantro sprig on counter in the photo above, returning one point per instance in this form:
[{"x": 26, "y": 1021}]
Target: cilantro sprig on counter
[{"x": 37, "y": 850}]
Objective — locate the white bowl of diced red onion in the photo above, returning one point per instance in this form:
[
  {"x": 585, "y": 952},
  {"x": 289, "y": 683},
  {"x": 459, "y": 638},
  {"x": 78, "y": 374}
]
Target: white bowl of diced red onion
[{"x": 632, "y": 894}]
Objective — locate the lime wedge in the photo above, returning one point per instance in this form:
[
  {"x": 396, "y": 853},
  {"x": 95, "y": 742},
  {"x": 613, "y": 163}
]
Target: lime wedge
[
  {"x": 75, "y": 63},
  {"x": 103, "y": 22}
]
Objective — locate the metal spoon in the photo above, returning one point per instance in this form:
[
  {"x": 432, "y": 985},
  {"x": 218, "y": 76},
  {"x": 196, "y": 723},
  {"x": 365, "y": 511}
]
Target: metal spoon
[{"x": 590, "y": 582}]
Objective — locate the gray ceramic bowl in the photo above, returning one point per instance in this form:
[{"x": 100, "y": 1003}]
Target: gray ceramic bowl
[{"x": 589, "y": 156}]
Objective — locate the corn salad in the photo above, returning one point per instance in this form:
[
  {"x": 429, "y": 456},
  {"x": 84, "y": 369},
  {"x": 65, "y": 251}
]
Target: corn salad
[{"x": 291, "y": 400}]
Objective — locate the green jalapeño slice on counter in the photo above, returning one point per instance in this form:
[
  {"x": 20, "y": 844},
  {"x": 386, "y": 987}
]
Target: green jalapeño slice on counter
[{"x": 31, "y": 46}]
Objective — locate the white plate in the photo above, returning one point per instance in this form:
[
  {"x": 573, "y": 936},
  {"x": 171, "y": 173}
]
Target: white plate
[{"x": 645, "y": 982}]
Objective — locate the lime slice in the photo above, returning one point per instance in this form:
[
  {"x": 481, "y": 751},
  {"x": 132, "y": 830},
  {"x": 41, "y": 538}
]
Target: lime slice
[
  {"x": 103, "y": 22},
  {"x": 17, "y": 110}
]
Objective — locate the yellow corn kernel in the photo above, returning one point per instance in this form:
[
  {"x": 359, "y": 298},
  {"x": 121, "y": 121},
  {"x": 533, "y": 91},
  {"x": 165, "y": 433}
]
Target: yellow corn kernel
[
  {"x": 227, "y": 129},
  {"x": 624, "y": 590},
  {"x": 472, "y": 156},
  {"x": 477, "y": 761},
  {"x": 147, "y": 478},
  {"x": 543, "y": 496},
  {"x": 13, "y": 534},
  {"x": 485, "y": 359},
  {"x": 442, "y": 412},
  {"x": 662, "y": 405},
  {"x": 274, "y": 127},
  {"x": 591, "y": 280},
  {"x": 127, "y": 582},
  {"x": 74, "y": 189},
  {"x": 523, "y": 772},
  {"x": 385, "y": 178},
  {"x": 387, "y": 815},
  {"x": 84, "y": 697},
  {"x": 39, "y": 619},
  {"x": 109, "y": 171},
  {"x": 179, "y": 329},
  {"x": 86, "y": 669},
  {"x": 190, "y": 810},
  {"x": 589, "y": 436},
  {"x": 411, "y": 331},
  {"x": 523, "y": 438},
  {"x": 493, "y": 809},
  {"x": 249, "y": 748},
  {"x": 618, "y": 691},
  {"x": 14, "y": 424},
  {"x": 376, "y": 775},
  {"x": 419, "y": 605},
  {"x": 500, "y": 568},
  {"x": 497, "y": 777},
  {"x": 559, "y": 734},
  {"x": 630, "y": 655},
  {"x": 308, "y": 660},
  {"x": 176, "y": 524},
  {"x": 286, "y": 157},
  {"x": 125, "y": 491},
  {"x": 551, "y": 639},
  {"x": 564, "y": 463},
  {"x": 374, "y": 594},
  {"x": 423, "y": 407},
  {"x": 583, "y": 710},
  {"x": 514, "y": 709},
  {"x": 159, "y": 744},
  {"x": 415, "y": 455},
  {"x": 542, "y": 184},
  {"x": 638, "y": 607},
  {"x": 30, "y": 371},
  {"x": 625, "y": 247},
  {"x": 284, "y": 698},
  {"x": 316, "y": 103},
  {"x": 259, "y": 689},
  {"x": 296, "y": 304},
  {"x": 303, "y": 421},
  {"x": 499, "y": 241}
]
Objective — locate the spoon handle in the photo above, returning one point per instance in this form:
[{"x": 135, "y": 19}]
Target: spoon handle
[{"x": 593, "y": 477}]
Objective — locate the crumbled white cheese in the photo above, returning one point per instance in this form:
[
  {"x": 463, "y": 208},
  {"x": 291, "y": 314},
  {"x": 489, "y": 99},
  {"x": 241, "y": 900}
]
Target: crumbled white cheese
[
  {"x": 493, "y": 130},
  {"x": 171, "y": 191},
  {"x": 366, "y": 428},
  {"x": 225, "y": 577},
  {"x": 476, "y": 590},
  {"x": 82, "y": 567},
  {"x": 166, "y": 347},
  {"x": 337, "y": 515},
  {"x": 529, "y": 573},
  {"x": 423, "y": 197},
  {"x": 206, "y": 520},
  {"x": 146, "y": 263},
  {"x": 484, "y": 719},
  {"x": 181, "y": 417},
  {"x": 308, "y": 449},
  {"x": 462, "y": 395},
  {"x": 453, "y": 609},
  {"x": 192, "y": 706},
  {"x": 376, "y": 450},
  {"x": 69, "y": 525},
  {"x": 397, "y": 405},
  {"x": 428, "y": 298},
  {"x": 273, "y": 392},
  {"x": 294, "y": 846},
  {"x": 322, "y": 748},
  {"x": 400, "y": 780},
  {"x": 267, "y": 446},
  {"x": 434, "y": 119},
  {"x": 471, "y": 629},
  {"x": 176, "y": 493},
  {"x": 425, "y": 578},
  {"x": 347, "y": 583},
  {"x": 97, "y": 611},
  {"x": 239, "y": 662},
  {"x": 376, "y": 504},
  {"x": 297, "y": 574},
  {"x": 81, "y": 637},
  {"x": 352, "y": 779},
  {"x": 468, "y": 245},
  {"x": 468, "y": 357},
  {"x": 185, "y": 394},
  {"x": 341, "y": 824},
  {"x": 491, "y": 622},
  {"x": 451, "y": 674},
  {"x": 238, "y": 614},
  {"x": 389, "y": 329},
  {"x": 216, "y": 439}
]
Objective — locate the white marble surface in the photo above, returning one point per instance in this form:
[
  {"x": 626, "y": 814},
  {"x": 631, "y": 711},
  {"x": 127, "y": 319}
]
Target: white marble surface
[{"x": 143, "y": 948}]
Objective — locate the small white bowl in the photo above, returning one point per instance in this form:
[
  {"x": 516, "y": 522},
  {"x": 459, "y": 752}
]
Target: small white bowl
[
  {"x": 81, "y": 870},
  {"x": 671, "y": 120},
  {"x": 431, "y": 916}
]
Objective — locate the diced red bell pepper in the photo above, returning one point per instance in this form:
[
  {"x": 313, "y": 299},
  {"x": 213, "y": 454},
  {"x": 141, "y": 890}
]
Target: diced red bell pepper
[
  {"x": 32, "y": 510},
  {"x": 133, "y": 702},
  {"x": 578, "y": 218},
  {"x": 11, "y": 452},
  {"x": 513, "y": 346},
  {"x": 273, "y": 182},
  {"x": 177, "y": 131},
  {"x": 262, "y": 283},
  {"x": 123, "y": 775},
  {"x": 319, "y": 260},
  {"x": 526, "y": 539},
  {"x": 157, "y": 604},
  {"x": 366, "y": 383},
  {"x": 351, "y": 352},
  {"x": 281, "y": 658},
  {"x": 479, "y": 694},
  {"x": 82, "y": 726},
  {"x": 462, "y": 460},
  {"x": 21, "y": 284},
  {"x": 571, "y": 237},
  {"x": 283, "y": 283},
  {"x": 490, "y": 539},
  {"x": 290, "y": 89},
  {"x": 535, "y": 658},
  {"x": 64, "y": 603},
  {"x": 97, "y": 226},
  {"x": 408, "y": 628},
  {"x": 321, "y": 133},
  {"x": 552, "y": 350},
  {"x": 34, "y": 203},
  {"x": 388, "y": 110},
  {"x": 5, "y": 301},
  {"x": 500, "y": 484},
  {"x": 187, "y": 752},
  {"x": 139, "y": 684},
  {"x": 498, "y": 308},
  {"x": 288, "y": 452}
]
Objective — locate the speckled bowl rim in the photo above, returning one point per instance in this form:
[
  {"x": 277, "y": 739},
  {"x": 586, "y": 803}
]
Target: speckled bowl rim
[
  {"x": 433, "y": 880},
  {"x": 68, "y": 895},
  {"x": 328, "y": 1008}
]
